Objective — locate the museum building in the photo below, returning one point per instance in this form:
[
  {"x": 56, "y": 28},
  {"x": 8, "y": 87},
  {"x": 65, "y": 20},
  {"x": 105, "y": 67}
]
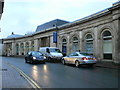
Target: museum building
[{"x": 97, "y": 34}]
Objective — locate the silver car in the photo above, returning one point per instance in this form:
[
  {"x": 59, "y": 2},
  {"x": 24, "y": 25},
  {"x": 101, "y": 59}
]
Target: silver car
[{"x": 78, "y": 58}]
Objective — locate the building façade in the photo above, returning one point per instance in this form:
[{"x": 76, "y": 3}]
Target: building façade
[{"x": 98, "y": 34}]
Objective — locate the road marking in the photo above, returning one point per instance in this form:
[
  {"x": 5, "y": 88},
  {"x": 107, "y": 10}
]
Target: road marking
[{"x": 32, "y": 82}]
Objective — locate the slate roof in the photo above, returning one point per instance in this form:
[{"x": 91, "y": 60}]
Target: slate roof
[
  {"x": 53, "y": 23},
  {"x": 14, "y": 36}
]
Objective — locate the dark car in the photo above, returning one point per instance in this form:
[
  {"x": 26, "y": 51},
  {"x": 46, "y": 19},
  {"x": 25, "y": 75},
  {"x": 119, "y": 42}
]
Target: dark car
[{"x": 34, "y": 56}]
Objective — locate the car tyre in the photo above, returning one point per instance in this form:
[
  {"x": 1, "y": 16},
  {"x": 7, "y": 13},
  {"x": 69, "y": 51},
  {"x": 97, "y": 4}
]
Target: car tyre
[
  {"x": 77, "y": 63},
  {"x": 31, "y": 61},
  {"x": 26, "y": 61},
  {"x": 91, "y": 65},
  {"x": 43, "y": 62},
  {"x": 63, "y": 62}
]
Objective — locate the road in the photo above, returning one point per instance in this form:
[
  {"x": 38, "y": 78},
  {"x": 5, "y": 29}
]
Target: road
[{"x": 57, "y": 75}]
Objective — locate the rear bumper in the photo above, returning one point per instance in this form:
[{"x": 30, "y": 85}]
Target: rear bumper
[{"x": 88, "y": 62}]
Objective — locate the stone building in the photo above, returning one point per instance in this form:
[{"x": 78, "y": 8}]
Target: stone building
[
  {"x": 98, "y": 34},
  {"x": 1, "y": 11}
]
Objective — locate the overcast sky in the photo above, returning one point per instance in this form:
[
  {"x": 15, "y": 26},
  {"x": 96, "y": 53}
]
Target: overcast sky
[{"x": 22, "y": 16}]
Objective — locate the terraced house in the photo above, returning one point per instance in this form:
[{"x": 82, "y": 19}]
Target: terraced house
[{"x": 98, "y": 34}]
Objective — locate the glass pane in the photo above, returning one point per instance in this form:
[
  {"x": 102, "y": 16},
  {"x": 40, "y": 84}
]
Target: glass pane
[
  {"x": 107, "y": 46},
  {"x": 106, "y": 33},
  {"x": 89, "y": 36},
  {"x": 75, "y": 47},
  {"x": 89, "y": 47},
  {"x": 107, "y": 56}
]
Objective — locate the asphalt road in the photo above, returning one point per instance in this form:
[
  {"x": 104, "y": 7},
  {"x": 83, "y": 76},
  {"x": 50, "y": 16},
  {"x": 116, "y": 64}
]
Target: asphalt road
[{"x": 57, "y": 75}]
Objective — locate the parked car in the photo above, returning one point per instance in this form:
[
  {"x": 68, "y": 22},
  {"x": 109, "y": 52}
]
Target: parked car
[
  {"x": 34, "y": 56},
  {"x": 78, "y": 58},
  {"x": 52, "y": 54}
]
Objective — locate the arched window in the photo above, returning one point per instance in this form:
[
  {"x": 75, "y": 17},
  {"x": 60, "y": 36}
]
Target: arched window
[
  {"x": 17, "y": 49},
  {"x": 64, "y": 47},
  {"x": 89, "y": 44},
  {"x": 32, "y": 46},
  {"x": 107, "y": 45},
  {"x": 22, "y": 48},
  {"x": 75, "y": 45},
  {"x": 27, "y": 47}
]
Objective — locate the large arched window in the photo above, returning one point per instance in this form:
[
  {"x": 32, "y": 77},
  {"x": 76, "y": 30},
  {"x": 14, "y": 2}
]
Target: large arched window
[
  {"x": 89, "y": 44},
  {"x": 64, "y": 47},
  {"x": 75, "y": 45},
  {"x": 32, "y": 46},
  {"x": 107, "y": 45},
  {"x": 22, "y": 48},
  {"x": 27, "y": 47},
  {"x": 17, "y": 49}
]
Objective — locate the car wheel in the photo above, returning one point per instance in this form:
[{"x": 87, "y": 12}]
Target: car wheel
[
  {"x": 63, "y": 62},
  {"x": 43, "y": 62},
  {"x": 49, "y": 59},
  {"x": 91, "y": 65},
  {"x": 31, "y": 61},
  {"x": 26, "y": 61},
  {"x": 77, "y": 63}
]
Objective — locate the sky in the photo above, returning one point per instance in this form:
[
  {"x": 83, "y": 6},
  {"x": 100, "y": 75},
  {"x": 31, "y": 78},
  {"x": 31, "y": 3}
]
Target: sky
[{"x": 23, "y": 16}]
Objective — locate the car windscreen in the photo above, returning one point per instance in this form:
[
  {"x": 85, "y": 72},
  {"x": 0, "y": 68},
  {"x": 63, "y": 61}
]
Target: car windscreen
[
  {"x": 54, "y": 50},
  {"x": 85, "y": 54},
  {"x": 36, "y": 54}
]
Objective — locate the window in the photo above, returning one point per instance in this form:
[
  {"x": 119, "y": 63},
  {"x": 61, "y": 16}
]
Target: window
[
  {"x": 36, "y": 54},
  {"x": 64, "y": 46},
  {"x": 27, "y": 47},
  {"x": 107, "y": 45},
  {"x": 22, "y": 48},
  {"x": 32, "y": 46},
  {"x": 74, "y": 54},
  {"x": 17, "y": 49},
  {"x": 89, "y": 43},
  {"x": 75, "y": 44}
]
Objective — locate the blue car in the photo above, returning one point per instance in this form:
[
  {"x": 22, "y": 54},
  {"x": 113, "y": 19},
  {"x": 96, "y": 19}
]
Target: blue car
[{"x": 34, "y": 56}]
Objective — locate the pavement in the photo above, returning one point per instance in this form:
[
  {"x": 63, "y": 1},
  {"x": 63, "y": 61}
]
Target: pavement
[
  {"x": 11, "y": 78},
  {"x": 107, "y": 64}
]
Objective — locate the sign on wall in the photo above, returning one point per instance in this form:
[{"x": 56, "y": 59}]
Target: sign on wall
[{"x": 54, "y": 37}]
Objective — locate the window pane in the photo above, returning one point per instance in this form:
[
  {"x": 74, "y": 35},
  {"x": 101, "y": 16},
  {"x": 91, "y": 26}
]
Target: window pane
[{"x": 107, "y": 46}]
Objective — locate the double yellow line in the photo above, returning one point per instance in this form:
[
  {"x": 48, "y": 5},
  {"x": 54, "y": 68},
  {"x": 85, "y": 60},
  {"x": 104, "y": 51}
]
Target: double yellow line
[{"x": 32, "y": 82}]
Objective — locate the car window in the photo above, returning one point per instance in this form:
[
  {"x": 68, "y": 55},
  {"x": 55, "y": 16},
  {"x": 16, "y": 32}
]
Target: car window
[
  {"x": 29, "y": 53},
  {"x": 85, "y": 54},
  {"x": 74, "y": 54},
  {"x": 54, "y": 50},
  {"x": 36, "y": 54}
]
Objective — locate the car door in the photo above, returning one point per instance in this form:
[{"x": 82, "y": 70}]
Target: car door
[{"x": 73, "y": 58}]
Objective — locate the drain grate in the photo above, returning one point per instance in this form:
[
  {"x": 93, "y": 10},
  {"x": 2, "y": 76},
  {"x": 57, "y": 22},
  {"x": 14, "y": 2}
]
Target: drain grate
[{"x": 3, "y": 69}]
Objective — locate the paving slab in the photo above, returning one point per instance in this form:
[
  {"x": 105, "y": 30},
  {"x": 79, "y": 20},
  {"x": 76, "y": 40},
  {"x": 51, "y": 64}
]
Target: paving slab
[{"x": 12, "y": 79}]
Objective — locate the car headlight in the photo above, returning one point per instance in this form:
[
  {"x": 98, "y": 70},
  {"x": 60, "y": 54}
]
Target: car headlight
[
  {"x": 34, "y": 58},
  {"x": 44, "y": 57}
]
